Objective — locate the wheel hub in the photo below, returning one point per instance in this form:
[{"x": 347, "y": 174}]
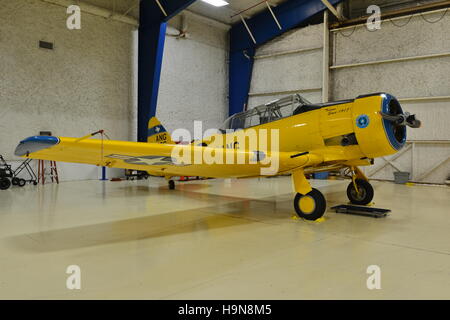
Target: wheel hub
[
  {"x": 307, "y": 204},
  {"x": 359, "y": 195}
]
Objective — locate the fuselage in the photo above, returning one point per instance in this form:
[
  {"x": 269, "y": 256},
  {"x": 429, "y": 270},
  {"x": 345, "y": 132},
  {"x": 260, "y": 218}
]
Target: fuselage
[{"x": 350, "y": 129}]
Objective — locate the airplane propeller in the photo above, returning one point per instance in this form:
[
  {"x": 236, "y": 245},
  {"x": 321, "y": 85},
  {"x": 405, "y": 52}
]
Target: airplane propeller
[{"x": 405, "y": 119}]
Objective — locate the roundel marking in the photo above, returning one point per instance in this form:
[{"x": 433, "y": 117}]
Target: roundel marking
[{"x": 362, "y": 121}]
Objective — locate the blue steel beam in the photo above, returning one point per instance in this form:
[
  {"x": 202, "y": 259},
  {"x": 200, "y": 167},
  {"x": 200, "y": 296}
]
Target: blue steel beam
[
  {"x": 264, "y": 28},
  {"x": 151, "y": 48},
  {"x": 239, "y": 77},
  {"x": 152, "y": 30}
]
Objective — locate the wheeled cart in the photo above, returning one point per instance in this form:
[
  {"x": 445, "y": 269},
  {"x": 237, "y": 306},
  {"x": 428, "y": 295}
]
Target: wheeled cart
[
  {"x": 6, "y": 174},
  {"x": 24, "y": 166},
  {"x": 10, "y": 177}
]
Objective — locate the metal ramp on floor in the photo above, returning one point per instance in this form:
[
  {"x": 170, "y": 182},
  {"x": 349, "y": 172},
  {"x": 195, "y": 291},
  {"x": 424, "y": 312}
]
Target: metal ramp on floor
[{"x": 361, "y": 211}]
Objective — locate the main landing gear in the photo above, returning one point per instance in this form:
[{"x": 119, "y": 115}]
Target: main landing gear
[{"x": 310, "y": 204}]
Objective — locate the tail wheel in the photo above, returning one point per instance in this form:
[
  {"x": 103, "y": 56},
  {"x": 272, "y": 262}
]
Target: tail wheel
[
  {"x": 22, "y": 182},
  {"x": 363, "y": 196},
  {"x": 4, "y": 183},
  {"x": 310, "y": 206}
]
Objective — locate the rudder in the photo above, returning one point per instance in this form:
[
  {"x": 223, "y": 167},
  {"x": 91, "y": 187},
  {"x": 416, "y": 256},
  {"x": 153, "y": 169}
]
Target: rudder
[{"x": 157, "y": 133}]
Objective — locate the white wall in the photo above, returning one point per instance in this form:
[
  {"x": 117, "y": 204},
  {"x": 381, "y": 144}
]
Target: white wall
[
  {"x": 408, "y": 79},
  {"x": 81, "y": 86},
  {"x": 194, "y": 77},
  {"x": 89, "y": 81},
  {"x": 289, "y": 72}
]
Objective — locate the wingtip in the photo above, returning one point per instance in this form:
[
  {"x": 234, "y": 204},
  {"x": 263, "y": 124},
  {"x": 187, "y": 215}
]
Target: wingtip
[{"x": 34, "y": 144}]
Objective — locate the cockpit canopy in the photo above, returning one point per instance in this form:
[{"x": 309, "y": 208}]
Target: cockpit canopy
[{"x": 268, "y": 112}]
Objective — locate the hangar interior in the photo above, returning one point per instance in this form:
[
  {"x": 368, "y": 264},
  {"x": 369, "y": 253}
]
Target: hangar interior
[{"x": 137, "y": 239}]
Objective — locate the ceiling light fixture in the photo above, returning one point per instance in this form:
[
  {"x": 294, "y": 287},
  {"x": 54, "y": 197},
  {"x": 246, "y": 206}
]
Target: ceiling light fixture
[{"x": 216, "y": 3}]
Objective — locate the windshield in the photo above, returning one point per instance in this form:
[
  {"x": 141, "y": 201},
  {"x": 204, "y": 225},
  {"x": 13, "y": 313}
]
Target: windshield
[{"x": 265, "y": 113}]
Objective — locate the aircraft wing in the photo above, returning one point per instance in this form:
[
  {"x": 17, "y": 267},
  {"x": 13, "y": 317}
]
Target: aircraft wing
[
  {"x": 93, "y": 151},
  {"x": 157, "y": 158}
]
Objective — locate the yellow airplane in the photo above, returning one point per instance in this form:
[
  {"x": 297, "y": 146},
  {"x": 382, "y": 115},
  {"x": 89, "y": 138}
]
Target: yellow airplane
[{"x": 287, "y": 136}]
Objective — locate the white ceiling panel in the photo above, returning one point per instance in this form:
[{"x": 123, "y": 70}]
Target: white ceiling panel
[{"x": 224, "y": 14}]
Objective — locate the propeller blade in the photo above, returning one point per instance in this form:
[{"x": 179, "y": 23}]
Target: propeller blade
[
  {"x": 405, "y": 119},
  {"x": 413, "y": 122},
  {"x": 391, "y": 117}
]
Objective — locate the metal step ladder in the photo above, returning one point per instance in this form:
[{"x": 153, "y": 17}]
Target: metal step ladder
[{"x": 53, "y": 174}]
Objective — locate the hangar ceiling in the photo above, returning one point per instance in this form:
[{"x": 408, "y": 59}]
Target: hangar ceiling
[
  {"x": 353, "y": 8},
  {"x": 357, "y": 8},
  {"x": 224, "y": 14},
  {"x": 129, "y": 7}
]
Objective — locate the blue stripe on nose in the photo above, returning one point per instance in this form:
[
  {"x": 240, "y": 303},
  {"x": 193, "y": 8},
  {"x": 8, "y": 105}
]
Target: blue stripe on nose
[{"x": 390, "y": 128}]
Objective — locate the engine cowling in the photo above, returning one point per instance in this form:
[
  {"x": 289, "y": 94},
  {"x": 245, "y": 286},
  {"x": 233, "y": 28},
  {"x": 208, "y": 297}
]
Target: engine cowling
[{"x": 377, "y": 134}]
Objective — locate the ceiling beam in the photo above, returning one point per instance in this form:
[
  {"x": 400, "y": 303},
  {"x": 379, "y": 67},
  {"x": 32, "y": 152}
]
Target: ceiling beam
[
  {"x": 259, "y": 29},
  {"x": 333, "y": 10},
  {"x": 263, "y": 27}
]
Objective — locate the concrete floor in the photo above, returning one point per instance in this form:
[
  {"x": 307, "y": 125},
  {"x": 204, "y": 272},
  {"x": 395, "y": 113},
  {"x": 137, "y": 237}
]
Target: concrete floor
[{"x": 214, "y": 239}]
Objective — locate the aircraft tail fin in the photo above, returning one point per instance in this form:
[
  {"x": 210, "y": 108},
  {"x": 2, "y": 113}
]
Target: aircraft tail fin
[{"x": 157, "y": 133}]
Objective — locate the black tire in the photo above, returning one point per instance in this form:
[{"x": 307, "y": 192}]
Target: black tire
[
  {"x": 15, "y": 181},
  {"x": 365, "y": 194},
  {"x": 4, "y": 183},
  {"x": 171, "y": 185},
  {"x": 35, "y": 183},
  {"x": 22, "y": 182},
  {"x": 316, "y": 207}
]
